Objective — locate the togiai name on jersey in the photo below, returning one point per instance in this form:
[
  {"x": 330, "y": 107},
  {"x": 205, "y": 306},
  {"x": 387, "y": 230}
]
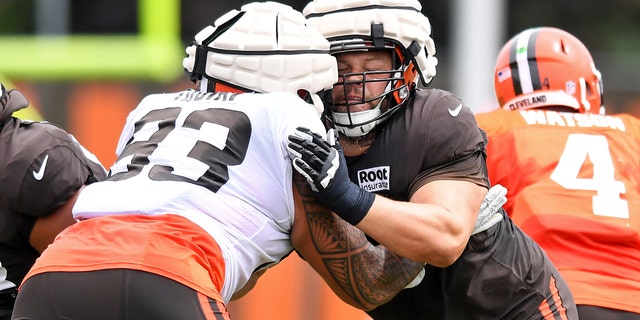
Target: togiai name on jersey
[
  {"x": 193, "y": 95},
  {"x": 374, "y": 179},
  {"x": 570, "y": 119}
]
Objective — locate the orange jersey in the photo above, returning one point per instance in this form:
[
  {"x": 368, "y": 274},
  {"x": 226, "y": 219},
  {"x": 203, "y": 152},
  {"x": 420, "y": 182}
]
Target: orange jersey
[{"x": 574, "y": 187}]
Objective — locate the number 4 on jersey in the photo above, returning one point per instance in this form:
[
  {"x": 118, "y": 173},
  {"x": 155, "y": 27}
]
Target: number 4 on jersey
[{"x": 607, "y": 201}]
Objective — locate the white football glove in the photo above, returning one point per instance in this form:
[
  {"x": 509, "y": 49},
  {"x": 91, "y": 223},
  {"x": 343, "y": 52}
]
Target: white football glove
[{"x": 490, "y": 209}]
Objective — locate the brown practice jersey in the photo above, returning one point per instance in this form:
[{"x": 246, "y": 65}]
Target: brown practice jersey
[
  {"x": 574, "y": 184},
  {"x": 436, "y": 137},
  {"x": 41, "y": 166}
]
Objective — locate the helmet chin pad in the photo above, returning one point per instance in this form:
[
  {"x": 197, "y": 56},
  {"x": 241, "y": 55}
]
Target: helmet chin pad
[{"x": 356, "y": 124}]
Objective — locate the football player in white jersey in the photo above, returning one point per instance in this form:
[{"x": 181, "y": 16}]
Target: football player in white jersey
[{"x": 202, "y": 198}]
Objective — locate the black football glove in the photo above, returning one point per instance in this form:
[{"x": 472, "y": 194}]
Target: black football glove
[{"x": 325, "y": 168}]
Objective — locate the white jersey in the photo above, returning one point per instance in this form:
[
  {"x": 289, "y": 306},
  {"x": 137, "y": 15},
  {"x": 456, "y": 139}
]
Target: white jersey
[{"x": 219, "y": 160}]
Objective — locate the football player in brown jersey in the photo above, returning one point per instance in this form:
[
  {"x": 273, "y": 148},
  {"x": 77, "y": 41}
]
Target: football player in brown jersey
[
  {"x": 42, "y": 170},
  {"x": 416, "y": 173}
]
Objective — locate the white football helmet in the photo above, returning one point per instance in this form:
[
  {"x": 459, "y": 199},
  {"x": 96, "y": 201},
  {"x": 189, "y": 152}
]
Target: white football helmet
[
  {"x": 394, "y": 25},
  {"x": 264, "y": 47}
]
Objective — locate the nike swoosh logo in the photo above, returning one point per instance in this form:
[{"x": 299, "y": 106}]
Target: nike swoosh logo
[
  {"x": 40, "y": 173},
  {"x": 455, "y": 112}
]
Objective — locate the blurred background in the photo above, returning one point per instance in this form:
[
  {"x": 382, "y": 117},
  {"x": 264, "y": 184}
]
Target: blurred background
[{"x": 85, "y": 64}]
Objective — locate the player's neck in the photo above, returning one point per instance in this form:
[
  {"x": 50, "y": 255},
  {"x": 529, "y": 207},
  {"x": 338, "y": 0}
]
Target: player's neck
[{"x": 356, "y": 146}]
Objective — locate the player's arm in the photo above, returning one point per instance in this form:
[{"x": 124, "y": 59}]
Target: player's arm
[
  {"x": 69, "y": 168},
  {"x": 47, "y": 227},
  {"x": 433, "y": 227},
  {"x": 435, "y": 224},
  {"x": 361, "y": 274}
]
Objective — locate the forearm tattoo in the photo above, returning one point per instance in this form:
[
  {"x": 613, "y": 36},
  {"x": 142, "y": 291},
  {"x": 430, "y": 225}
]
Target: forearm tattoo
[{"x": 369, "y": 274}]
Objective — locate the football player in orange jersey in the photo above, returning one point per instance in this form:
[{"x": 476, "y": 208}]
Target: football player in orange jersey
[{"x": 571, "y": 170}]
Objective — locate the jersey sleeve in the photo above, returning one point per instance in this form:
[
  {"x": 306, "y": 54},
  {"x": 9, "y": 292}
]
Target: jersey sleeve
[
  {"x": 301, "y": 114},
  {"x": 47, "y": 170},
  {"x": 96, "y": 168},
  {"x": 455, "y": 145}
]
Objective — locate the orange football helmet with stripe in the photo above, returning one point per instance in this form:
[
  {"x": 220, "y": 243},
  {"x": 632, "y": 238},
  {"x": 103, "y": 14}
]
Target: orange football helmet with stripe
[{"x": 544, "y": 67}]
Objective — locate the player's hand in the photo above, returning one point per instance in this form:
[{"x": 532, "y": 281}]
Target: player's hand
[
  {"x": 314, "y": 158},
  {"x": 490, "y": 209},
  {"x": 323, "y": 165}
]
